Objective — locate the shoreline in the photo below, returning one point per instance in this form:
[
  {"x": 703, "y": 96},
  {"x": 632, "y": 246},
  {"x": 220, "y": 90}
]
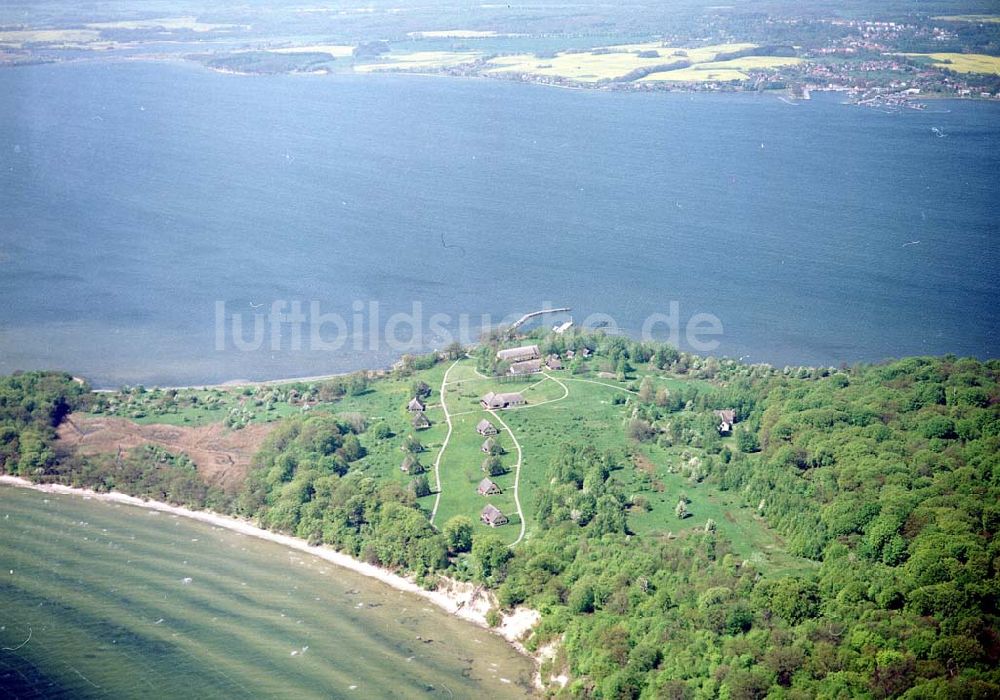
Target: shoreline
[
  {"x": 466, "y": 601},
  {"x": 683, "y": 87},
  {"x": 240, "y": 383}
]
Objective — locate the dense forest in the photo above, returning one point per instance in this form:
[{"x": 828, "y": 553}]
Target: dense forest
[{"x": 885, "y": 476}]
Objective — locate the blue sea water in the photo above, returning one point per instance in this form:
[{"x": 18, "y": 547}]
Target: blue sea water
[{"x": 136, "y": 198}]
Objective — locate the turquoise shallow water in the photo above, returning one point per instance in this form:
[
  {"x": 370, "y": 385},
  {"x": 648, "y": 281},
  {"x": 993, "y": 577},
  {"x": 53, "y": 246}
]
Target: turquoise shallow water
[
  {"x": 102, "y": 600},
  {"x": 135, "y": 197}
]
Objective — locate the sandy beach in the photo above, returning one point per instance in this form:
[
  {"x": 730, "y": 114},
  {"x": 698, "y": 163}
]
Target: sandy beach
[{"x": 464, "y": 600}]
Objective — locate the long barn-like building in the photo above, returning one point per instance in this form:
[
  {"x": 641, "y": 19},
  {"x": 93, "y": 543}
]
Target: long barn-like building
[
  {"x": 521, "y": 354},
  {"x": 494, "y": 401}
]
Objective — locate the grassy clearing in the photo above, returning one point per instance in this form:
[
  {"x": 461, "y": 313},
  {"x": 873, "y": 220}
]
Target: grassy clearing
[
  {"x": 461, "y": 472},
  {"x": 962, "y": 62},
  {"x": 607, "y": 63},
  {"x": 198, "y": 407},
  {"x": 656, "y": 476},
  {"x": 589, "y": 414},
  {"x": 420, "y": 60}
]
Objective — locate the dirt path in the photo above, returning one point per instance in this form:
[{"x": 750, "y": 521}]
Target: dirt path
[
  {"x": 610, "y": 386},
  {"x": 444, "y": 445},
  {"x": 517, "y": 475}
]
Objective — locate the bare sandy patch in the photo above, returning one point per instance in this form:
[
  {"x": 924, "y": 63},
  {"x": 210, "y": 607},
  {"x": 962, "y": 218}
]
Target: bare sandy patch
[{"x": 222, "y": 456}]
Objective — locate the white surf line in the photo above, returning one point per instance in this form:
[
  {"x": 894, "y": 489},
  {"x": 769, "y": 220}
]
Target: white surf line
[
  {"x": 444, "y": 445},
  {"x": 517, "y": 475},
  {"x": 464, "y": 601},
  {"x": 610, "y": 386}
]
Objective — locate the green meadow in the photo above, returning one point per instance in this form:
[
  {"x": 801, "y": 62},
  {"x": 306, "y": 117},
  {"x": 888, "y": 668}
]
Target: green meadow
[{"x": 588, "y": 407}]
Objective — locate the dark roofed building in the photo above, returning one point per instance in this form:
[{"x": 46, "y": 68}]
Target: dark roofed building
[
  {"x": 492, "y": 516},
  {"x": 415, "y": 405},
  {"x": 491, "y": 446},
  {"x": 411, "y": 465},
  {"x": 519, "y": 369},
  {"x": 486, "y": 428},
  {"x": 488, "y": 487},
  {"x": 420, "y": 422},
  {"x": 493, "y": 401},
  {"x": 727, "y": 419},
  {"x": 526, "y": 352}
]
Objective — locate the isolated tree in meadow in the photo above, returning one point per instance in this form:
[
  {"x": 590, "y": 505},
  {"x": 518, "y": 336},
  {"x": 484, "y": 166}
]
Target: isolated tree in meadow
[
  {"x": 420, "y": 389},
  {"x": 458, "y": 534},
  {"x": 746, "y": 440},
  {"x": 412, "y": 445},
  {"x": 622, "y": 369},
  {"x": 454, "y": 350},
  {"x": 420, "y": 487},
  {"x": 382, "y": 431},
  {"x": 640, "y": 430},
  {"x": 492, "y": 466},
  {"x": 681, "y": 511},
  {"x": 495, "y": 448},
  {"x": 646, "y": 393},
  {"x": 662, "y": 397}
]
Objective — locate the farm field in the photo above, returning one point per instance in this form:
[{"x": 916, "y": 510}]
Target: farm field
[
  {"x": 419, "y": 60},
  {"x": 609, "y": 63},
  {"x": 732, "y": 69},
  {"x": 984, "y": 19},
  {"x": 962, "y": 62}
]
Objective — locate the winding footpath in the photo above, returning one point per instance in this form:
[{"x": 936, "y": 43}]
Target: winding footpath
[
  {"x": 444, "y": 445},
  {"x": 513, "y": 437},
  {"x": 610, "y": 386},
  {"x": 517, "y": 475},
  {"x": 517, "y": 445}
]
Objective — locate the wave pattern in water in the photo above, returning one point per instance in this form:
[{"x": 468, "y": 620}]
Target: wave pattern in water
[{"x": 123, "y": 602}]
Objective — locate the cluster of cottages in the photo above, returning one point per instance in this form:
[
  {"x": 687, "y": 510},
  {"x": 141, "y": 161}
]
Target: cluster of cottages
[
  {"x": 524, "y": 360},
  {"x": 417, "y": 408},
  {"x": 527, "y": 360},
  {"x": 491, "y": 515}
]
